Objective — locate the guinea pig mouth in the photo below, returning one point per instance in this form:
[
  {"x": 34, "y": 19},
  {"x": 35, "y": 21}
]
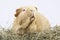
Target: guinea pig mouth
[{"x": 32, "y": 16}]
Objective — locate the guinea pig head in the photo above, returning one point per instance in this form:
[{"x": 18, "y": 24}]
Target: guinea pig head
[{"x": 31, "y": 11}]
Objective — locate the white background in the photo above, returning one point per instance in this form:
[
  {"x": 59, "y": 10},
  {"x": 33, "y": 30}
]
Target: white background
[{"x": 49, "y": 8}]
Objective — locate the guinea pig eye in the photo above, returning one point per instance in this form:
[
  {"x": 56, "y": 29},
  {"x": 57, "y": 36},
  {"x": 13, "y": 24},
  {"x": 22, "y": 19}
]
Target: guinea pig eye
[{"x": 23, "y": 9}]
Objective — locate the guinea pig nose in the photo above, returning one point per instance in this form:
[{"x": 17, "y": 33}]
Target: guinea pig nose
[{"x": 33, "y": 16}]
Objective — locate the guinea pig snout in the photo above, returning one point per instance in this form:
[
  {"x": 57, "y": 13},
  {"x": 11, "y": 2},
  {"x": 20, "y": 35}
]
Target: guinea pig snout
[{"x": 32, "y": 16}]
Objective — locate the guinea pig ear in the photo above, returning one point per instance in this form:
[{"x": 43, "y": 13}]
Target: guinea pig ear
[
  {"x": 18, "y": 12},
  {"x": 36, "y": 8}
]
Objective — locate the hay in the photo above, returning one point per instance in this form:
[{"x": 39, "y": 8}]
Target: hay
[{"x": 54, "y": 34}]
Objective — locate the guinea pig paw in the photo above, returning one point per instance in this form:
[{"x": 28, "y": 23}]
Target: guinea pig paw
[{"x": 32, "y": 19}]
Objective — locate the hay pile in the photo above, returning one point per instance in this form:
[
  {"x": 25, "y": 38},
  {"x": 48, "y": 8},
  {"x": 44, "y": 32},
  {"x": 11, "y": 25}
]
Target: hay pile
[{"x": 54, "y": 34}]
